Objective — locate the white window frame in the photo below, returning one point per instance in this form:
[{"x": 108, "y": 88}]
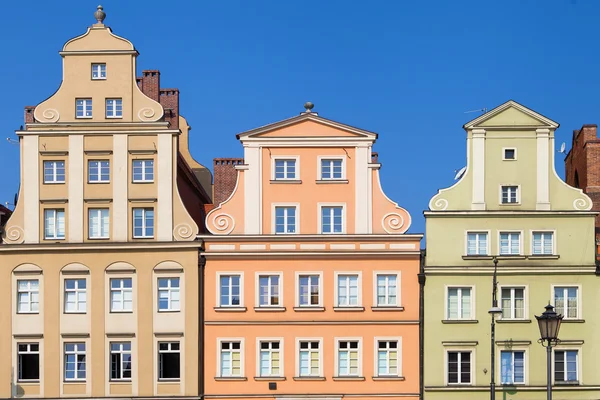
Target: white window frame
[
  {"x": 376, "y": 341},
  {"x": 100, "y": 219},
  {"x": 260, "y": 340},
  {"x": 521, "y": 237},
  {"x": 170, "y": 350},
  {"x": 55, "y": 179},
  {"x": 98, "y": 67},
  {"x": 170, "y": 289},
  {"x": 143, "y": 161},
  {"x": 76, "y": 291},
  {"x": 112, "y": 111},
  {"x": 230, "y": 273},
  {"x": 504, "y": 153},
  {"x": 298, "y": 359},
  {"x": 399, "y": 289},
  {"x": 144, "y": 222},
  {"x": 320, "y": 217},
  {"x": 279, "y": 274},
  {"x": 447, "y": 361},
  {"x": 29, "y": 351},
  {"x": 29, "y": 291},
  {"x": 87, "y": 106},
  {"x": 358, "y": 274},
  {"x": 297, "y": 284},
  {"x": 330, "y": 158},
  {"x": 525, "y": 350},
  {"x": 544, "y": 232},
  {"x": 477, "y": 232},
  {"x": 122, "y": 289},
  {"x": 274, "y": 207},
  {"x": 579, "y": 298},
  {"x": 359, "y": 351},
  {"x": 241, "y": 340},
  {"x": 296, "y": 159},
  {"x": 55, "y": 211},
  {"x": 518, "y": 194},
  {"x": 579, "y": 351},
  {"x": 121, "y": 352},
  {"x": 98, "y": 171},
  {"x": 447, "y": 303},
  {"x": 75, "y": 352},
  {"x": 512, "y": 308}
]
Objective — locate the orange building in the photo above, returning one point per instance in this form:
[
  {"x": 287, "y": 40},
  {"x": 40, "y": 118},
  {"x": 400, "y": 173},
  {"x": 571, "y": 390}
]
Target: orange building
[{"x": 311, "y": 286}]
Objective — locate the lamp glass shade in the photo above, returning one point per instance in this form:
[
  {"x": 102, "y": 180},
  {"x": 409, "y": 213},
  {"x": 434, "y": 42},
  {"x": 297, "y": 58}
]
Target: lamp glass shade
[{"x": 549, "y": 323}]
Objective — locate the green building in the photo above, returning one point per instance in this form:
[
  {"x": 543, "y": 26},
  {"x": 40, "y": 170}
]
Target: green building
[{"x": 510, "y": 205}]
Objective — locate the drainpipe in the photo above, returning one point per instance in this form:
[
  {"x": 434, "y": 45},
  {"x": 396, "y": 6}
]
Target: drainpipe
[
  {"x": 422, "y": 324},
  {"x": 201, "y": 265}
]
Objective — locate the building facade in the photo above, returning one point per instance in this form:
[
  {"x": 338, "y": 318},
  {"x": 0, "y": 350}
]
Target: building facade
[
  {"x": 311, "y": 281},
  {"x": 100, "y": 263},
  {"x": 509, "y": 205}
]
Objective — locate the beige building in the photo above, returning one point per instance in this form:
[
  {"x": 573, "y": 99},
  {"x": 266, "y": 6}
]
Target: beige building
[{"x": 100, "y": 258}]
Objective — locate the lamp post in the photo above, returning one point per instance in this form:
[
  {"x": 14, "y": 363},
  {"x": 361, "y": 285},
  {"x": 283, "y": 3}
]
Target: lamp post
[
  {"x": 494, "y": 311},
  {"x": 549, "y": 324}
]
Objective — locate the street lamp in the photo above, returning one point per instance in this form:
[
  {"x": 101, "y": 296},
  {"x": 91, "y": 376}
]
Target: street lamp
[
  {"x": 494, "y": 311},
  {"x": 549, "y": 323}
]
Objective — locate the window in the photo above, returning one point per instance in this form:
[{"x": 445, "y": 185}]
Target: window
[
  {"x": 565, "y": 301},
  {"x": 98, "y": 223},
  {"x": 565, "y": 366},
  {"x": 270, "y": 358},
  {"x": 477, "y": 243},
  {"x": 543, "y": 243},
  {"x": 143, "y": 223},
  {"x": 512, "y": 367},
  {"x": 285, "y": 169},
  {"x": 75, "y": 296},
  {"x": 230, "y": 295},
  {"x": 98, "y": 171},
  {"x": 231, "y": 359},
  {"x": 513, "y": 303},
  {"x": 268, "y": 290},
  {"x": 285, "y": 219},
  {"x": 74, "y": 361},
  {"x": 28, "y": 296},
  {"x": 121, "y": 295},
  {"x": 459, "y": 303},
  {"x": 168, "y": 361},
  {"x": 143, "y": 170},
  {"x": 510, "y": 195},
  {"x": 347, "y": 291},
  {"x": 114, "y": 108},
  {"x": 168, "y": 294},
  {"x": 387, "y": 290},
  {"x": 510, "y": 154},
  {"x": 510, "y": 243},
  {"x": 98, "y": 71},
  {"x": 309, "y": 358},
  {"x": 54, "y": 224},
  {"x": 308, "y": 290},
  {"x": 54, "y": 172},
  {"x": 120, "y": 361},
  {"x": 331, "y": 219},
  {"x": 459, "y": 367},
  {"x": 29, "y": 361},
  {"x": 83, "y": 108},
  {"x": 387, "y": 358},
  {"x": 348, "y": 358},
  {"x": 331, "y": 169}
]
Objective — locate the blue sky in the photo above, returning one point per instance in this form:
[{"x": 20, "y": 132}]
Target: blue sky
[{"x": 407, "y": 70}]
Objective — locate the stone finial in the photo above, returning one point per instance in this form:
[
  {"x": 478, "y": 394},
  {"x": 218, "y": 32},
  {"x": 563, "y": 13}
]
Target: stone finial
[
  {"x": 100, "y": 14},
  {"x": 308, "y": 106}
]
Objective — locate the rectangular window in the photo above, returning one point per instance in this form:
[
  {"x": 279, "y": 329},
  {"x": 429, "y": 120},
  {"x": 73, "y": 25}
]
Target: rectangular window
[
  {"x": 565, "y": 366},
  {"x": 348, "y": 358},
  {"x": 143, "y": 223},
  {"x": 543, "y": 243},
  {"x": 230, "y": 291},
  {"x": 512, "y": 367},
  {"x": 513, "y": 303},
  {"x": 74, "y": 361},
  {"x": 510, "y": 154},
  {"x": 347, "y": 290},
  {"x": 98, "y": 71},
  {"x": 28, "y": 296},
  {"x": 98, "y": 223},
  {"x": 75, "y": 296},
  {"x": 98, "y": 171},
  {"x": 565, "y": 301},
  {"x": 83, "y": 108},
  {"x": 387, "y": 290},
  {"x": 459, "y": 303},
  {"x": 168, "y": 294},
  {"x": 459, "y": 367},
  {"x": 231, "y": 359},
  {"x": 270, "y": 358},
  {"x": 143, "y": 170},
  {"x": 268, "y": 291},
  {"x": 510, "y": 243},
  {"x": 309, "y": 358},
  {"x": 331, "y": 169},
  {"x": 285, "y": 169},
  {"x": 29, "y": 361},
  {"x": 114, "y": 108},
  {"x": 285, "y": 219},
  {"x": 54, "y": 172},
  {"x": 387, "y": 358},
  {"x": 54, "y": 224},
  {"x": 510, "y": 194},
  {"x": 120, "y": 361},
  {"x": 168, "y": 361},
  {"x": 331, "y": 219},
  {"x": 308, "y": 290},
  {"x": 121, "y": 295},
  {"x": 477, "y": 243}
]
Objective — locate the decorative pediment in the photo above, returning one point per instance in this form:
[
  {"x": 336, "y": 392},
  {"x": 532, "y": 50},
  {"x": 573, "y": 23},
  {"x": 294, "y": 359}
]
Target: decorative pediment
[{"x": 511, "y": 114}]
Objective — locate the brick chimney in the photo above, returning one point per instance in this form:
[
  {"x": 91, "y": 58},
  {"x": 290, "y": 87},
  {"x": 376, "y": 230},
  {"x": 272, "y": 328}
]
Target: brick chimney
[
  {"x": 225, "y": 178},
  {"x": 149, "y": 83},
  {"x": 169, "y": 99},
  {"x": 29, "y": 114}
]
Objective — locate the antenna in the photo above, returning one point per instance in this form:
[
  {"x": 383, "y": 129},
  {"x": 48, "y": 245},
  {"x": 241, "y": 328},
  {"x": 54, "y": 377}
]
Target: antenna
[
  {"x": 12, "y": 141},
  {"x": 562, "y": 148},
  {"x": 483, "y": 110},
  {"x": 459, "y": 173}
]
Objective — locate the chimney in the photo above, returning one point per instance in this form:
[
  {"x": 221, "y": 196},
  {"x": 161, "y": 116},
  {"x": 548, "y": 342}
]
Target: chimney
[
  {"x": 150, "y": 83},
  {"x": 589, "y": 132},
  {"x": 29, "y": 114},
  {"x": 225, "y": 178},
  {"x": 169, "y": 99}
]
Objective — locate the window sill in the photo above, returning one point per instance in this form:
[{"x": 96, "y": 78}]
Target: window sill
[
  {"x": 230, "y": 309},
  {"x": 269, "y": 378},
  {"x": 169, "y": 380},
  {"x": 73, "y": 381},
  {"x": 269, "y": 309},
  {"x": 27, "y": 312},
  {"x": 389, "y": 378},
  {"x": 309, "y": 309},
  {"x": 513, "y": 321},
  {"x": 168, "y": 311},
  {"x": 351, "y": 309},
  {"x": 98, "y": 238},
  {"x": 477, "y": 257},
  {"x": 567, "y": 383},
  {"x": 230, "y": 378},
  {"x": 572, "y": 321},
  {"x": 544, "y": 257},
  {"x": 54, "y": 183},
  {"x": 123, "y": 381},
  {"x": 510, "y": 204},
  {"x": 326, "y": 181},
  {"x": 287, "y": 181},
  {"x": 121, "y": 312},
  {"x": 142, "y": 182},
  {"x": 511, "y": 257},
  {"x": 98, "y": 182},
  {"x": 75, "y": 312},
  {"x": 348, "y": 378},
  {"x": 383, "y": 308},
  {"x": 460, "y": 321},
  {"x": 31, "y": 382},
  {"x": 115, "y": 117},
  {"x": 309, "y": 378}
]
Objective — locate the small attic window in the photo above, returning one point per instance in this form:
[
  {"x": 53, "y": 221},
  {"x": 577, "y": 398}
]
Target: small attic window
[
  {"x": 509, "y": 154},
  {"x": 98, "y": 71}
]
